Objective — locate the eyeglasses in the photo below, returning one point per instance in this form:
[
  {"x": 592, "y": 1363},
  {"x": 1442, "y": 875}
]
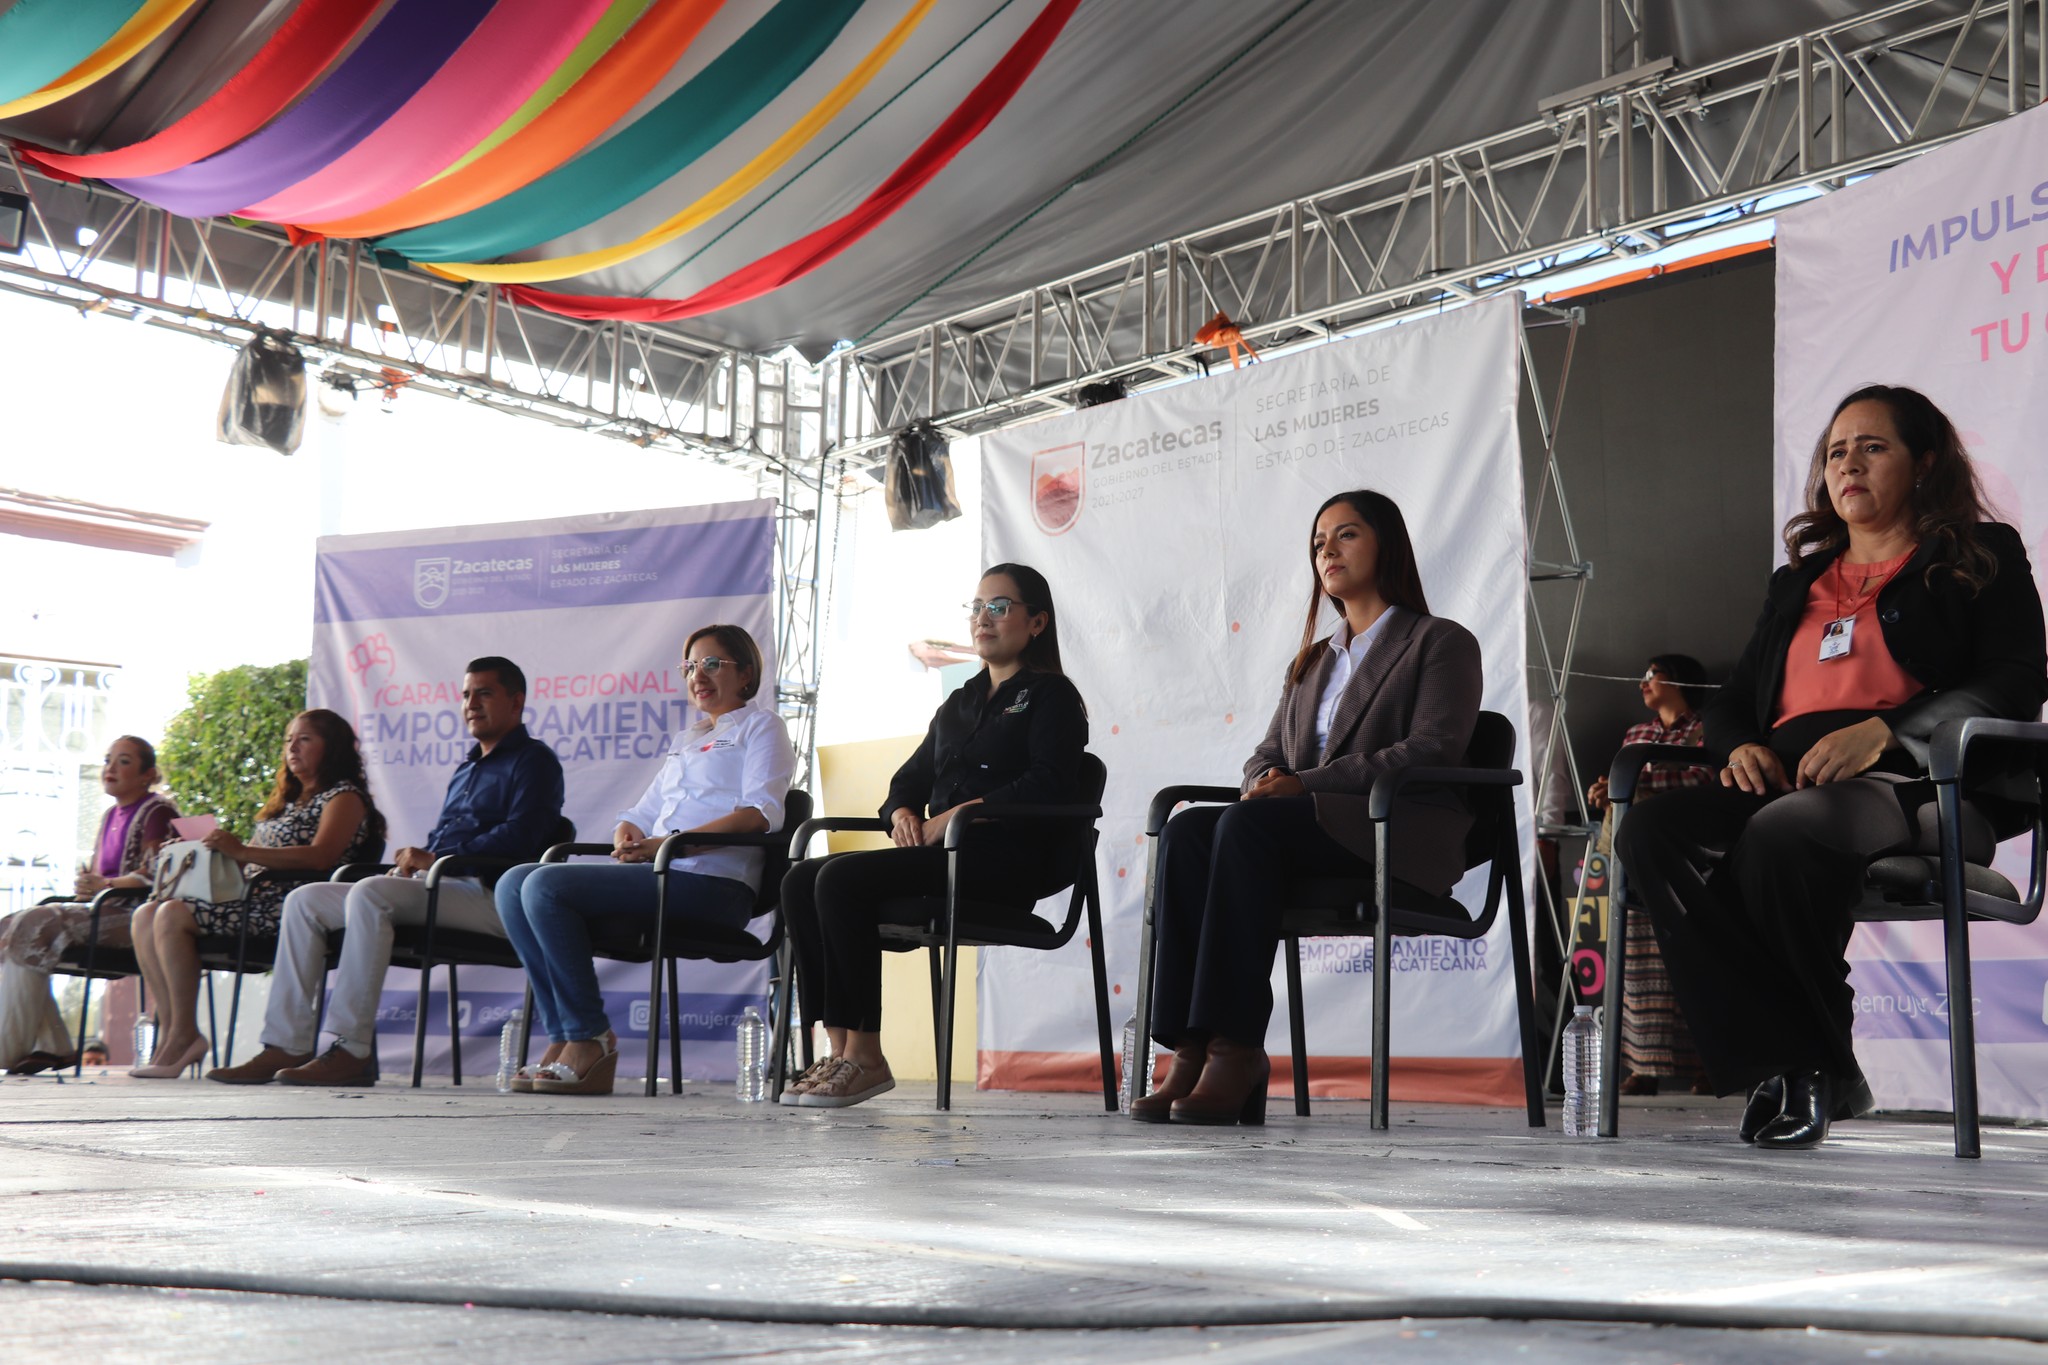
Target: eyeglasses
[
  {"x": 710, "y": 665},
  {"x": 996, "y": 607}
]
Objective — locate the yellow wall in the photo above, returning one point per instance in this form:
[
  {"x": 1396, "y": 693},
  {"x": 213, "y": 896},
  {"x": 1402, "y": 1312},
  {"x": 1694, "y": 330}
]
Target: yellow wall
[{"x": 855, "y": 778}]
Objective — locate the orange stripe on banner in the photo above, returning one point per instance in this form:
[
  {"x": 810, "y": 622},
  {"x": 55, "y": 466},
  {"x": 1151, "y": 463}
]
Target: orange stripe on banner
[
  {"x": 1655, "y": 272},
  {"x": 1495, "y": 1082}
]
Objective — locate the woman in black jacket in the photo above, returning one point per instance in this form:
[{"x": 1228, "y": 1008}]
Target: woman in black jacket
[
  {"x": 1014, "y": 732},
  {"x": 1900, "y": 608}
]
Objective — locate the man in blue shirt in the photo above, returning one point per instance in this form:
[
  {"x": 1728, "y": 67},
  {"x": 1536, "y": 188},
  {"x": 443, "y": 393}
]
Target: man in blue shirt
[{"x": 505, "y": 801}]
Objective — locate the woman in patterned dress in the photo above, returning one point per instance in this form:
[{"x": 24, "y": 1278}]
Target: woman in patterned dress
[{"x": 319, "y": 816}]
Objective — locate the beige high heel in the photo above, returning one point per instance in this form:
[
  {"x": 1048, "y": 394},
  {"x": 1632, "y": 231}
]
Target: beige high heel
[{"x": 558, "y": 1078}]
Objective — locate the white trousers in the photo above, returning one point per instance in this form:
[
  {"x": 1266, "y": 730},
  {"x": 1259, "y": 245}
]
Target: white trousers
[{"x": 365, "y": 911}]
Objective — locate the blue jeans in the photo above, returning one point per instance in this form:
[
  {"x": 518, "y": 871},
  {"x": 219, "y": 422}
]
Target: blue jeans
[{"x": 547, "y": 908}]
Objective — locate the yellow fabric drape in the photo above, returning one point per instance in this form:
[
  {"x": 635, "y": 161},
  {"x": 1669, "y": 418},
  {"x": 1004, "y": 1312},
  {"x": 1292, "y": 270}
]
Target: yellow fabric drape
[
  {"x": 717, "y": 200},
  {"x": 139, "y": 32}
]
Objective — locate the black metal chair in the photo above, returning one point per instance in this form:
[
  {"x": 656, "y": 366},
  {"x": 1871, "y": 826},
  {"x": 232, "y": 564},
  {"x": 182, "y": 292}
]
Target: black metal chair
[
  {"x": 92, "y": 961},
  {"x": 241, "y": 953},
  {"x": 1943, "y": 886},
  {"x": 1326, "y": 907},
  {"x": 944, "y": 924},
  {"x": 661, "y": 945},
  {"x": 425, "y": 946}
]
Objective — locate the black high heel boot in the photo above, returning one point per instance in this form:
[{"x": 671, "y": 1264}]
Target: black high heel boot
[
  {"x": 1766, "y": 1102},
  {"x": 1809, "y": 1099}
]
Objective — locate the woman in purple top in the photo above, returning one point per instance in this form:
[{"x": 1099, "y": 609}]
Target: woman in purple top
[{"x": 32, "y": 1031}]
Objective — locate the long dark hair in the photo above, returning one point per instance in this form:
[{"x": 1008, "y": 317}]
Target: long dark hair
[
  {"x": 1043, "y": 653},
  {"x": 1400, "y": 582},
  {"x": 1947, "y": 501},
  {"x": 341, "y": 760}
]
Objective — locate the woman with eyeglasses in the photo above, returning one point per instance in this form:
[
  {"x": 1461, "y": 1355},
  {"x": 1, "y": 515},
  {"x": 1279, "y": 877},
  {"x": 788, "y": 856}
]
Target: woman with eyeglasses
[
  {"x": 1015, "y": 732},
  {"x": 726, "y": 774}
]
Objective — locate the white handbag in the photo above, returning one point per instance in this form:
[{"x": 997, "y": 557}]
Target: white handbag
[{"x": 190, "y": 871}]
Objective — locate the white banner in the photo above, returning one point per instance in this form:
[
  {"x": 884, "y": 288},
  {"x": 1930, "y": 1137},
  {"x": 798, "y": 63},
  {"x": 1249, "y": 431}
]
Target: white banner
[
  {"x": 1935, "y": 275},
  {"x": 1174, "y": 528},
  {"x": 595, "y": 610}
]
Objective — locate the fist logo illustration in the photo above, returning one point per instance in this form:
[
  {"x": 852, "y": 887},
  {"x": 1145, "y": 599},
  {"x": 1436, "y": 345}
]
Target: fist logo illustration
[{"x": 370, "y": 652}]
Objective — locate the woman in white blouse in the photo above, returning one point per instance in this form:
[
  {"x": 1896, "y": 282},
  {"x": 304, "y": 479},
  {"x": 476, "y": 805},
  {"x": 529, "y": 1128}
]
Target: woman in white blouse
[{"x": 726, "y": 774}]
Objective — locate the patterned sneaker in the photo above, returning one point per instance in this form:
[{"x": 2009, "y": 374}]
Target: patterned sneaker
[
  {"x": 847, "y": 1083},
  {"x": 812, "y": 1074}
]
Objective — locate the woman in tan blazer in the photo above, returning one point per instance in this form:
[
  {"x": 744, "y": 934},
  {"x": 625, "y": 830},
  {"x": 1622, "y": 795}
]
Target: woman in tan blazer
[{"x": 1392, "y": 687}]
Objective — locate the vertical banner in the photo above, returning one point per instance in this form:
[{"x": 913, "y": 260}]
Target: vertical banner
[
  {"x": 1174, "y": 528},
  {"x": 1935, "y": 275},
  {"x": 595, "y": 611}
]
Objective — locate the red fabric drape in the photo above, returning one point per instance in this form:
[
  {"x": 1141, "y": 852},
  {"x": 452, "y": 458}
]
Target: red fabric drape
[
  {"x": 293, "y": 58},
  {"x": 801, "y": 257}
]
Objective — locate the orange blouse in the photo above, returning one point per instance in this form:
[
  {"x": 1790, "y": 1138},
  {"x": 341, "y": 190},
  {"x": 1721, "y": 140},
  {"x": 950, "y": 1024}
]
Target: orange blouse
[{"x": 1867, "y": 678}]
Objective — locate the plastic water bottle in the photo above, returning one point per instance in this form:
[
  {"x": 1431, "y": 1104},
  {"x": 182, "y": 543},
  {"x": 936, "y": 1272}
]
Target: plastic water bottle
[
  {"x": 1128, "y": 1091},
  {"x": 1581, "y": 1074},
  {"x": 145, "y": 1039},
  {"x": 750, "y": 1077},
  {"x": 508, "y": 1049}
]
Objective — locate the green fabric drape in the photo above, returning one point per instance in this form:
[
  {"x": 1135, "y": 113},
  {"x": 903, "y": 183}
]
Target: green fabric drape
[
  {"x": 736, "y": 85},
  {"x": 40, "y": 40}
]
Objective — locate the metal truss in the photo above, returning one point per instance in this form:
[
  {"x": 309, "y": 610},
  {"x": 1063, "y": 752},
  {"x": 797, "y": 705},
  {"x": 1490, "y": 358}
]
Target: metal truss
[{"x": 1632, "y": 162}]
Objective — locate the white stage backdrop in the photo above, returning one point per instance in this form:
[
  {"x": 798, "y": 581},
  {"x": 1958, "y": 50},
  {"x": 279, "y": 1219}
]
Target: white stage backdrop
[
  {"x": 1935, "y": 275},
  {"x": 1174, "y": 528},
  {"x": 595, "y": 610}
]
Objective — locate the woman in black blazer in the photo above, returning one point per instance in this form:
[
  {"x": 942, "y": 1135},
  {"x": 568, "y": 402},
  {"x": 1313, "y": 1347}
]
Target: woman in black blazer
[
  {"x": 1014, "y": 732},
  {"x": 1392, "y": 687},
  {"x": 1900, "y": 608}
]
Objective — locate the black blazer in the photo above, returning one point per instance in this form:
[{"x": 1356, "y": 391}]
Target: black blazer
[
  {"x": 1022, "y": 744},
  {"x": 1978, "y": 655}
]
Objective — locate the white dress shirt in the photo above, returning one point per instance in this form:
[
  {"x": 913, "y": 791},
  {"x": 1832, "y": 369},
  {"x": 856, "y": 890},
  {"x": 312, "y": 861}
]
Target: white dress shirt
[
  {"x": 715, "y": 767},
  {"x": 1350, "y": 651}
]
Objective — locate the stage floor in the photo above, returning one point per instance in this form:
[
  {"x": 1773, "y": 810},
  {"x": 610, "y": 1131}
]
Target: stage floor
[{"x": 187, "y": 1221}]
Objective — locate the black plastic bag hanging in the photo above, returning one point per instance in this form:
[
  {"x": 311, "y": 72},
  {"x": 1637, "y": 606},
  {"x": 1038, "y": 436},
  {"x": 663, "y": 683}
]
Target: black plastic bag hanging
[
  {"x": 919, "y": 483},
  {"x": 265, "y": 400}
]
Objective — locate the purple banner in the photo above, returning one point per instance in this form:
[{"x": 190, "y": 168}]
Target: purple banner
[
  {"x": 534, "y": 573},
  {"x": 1910, "y": 999}
]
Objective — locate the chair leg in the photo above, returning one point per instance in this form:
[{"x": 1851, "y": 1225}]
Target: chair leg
[
  {"x": 778, "y": 1075},
  {"x": 1525, "y": 984},
  {"x": 1962, "y": 1022},
  {"x": 419, "y": 1025},
  {"x": 1297, "y": 1025},
  {"x": 212, "y": 1016},
  {"x": 84, "y": 1012},
  {"x": 654, "y": 1006},
  {"x": 1382, "y": 972},
  {"x": 526, "y": 1026},
  {"x": 1610, "y": 997},
  {"x": 454, "y": 1024},
  {"x": 949, "y": 980},
  {"x": 1101, "y": 990},
  {"x": 675, "y": 1033}
]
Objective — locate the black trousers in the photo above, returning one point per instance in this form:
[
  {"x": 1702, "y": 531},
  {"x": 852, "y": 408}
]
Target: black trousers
[
  {"x": 1217, "y": 913},
  {"x": 832, "y": 908},
  {"x": 1751, "y": 896}
]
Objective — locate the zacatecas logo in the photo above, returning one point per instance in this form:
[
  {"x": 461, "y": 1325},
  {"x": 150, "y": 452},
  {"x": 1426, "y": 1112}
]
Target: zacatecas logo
[
  {"x": 430, "y": 582},
  {"x": 1059, "y": 487}
]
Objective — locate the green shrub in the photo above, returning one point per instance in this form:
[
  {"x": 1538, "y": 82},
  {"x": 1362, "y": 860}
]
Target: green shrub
[{"x": 220, "y": 754}]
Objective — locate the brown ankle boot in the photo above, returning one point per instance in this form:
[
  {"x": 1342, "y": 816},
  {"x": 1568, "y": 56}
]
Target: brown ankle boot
[
  {"x": 1232, "y": 1088},
  {"x": 1180, "y": 1080}
]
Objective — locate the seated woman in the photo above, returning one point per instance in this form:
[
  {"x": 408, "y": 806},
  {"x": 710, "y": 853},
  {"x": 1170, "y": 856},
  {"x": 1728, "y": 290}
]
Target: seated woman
[
  {"x": 1392, "y": 687},
  {"x": 1655, "y": 1045},
  {"x": 319, "y": 816},
  {"x": 726, "y": 774},
  {"x": 33, "y": 1035},
  {"x": 1013, "y": 732},
  {"x": 1900, "y": 608}
]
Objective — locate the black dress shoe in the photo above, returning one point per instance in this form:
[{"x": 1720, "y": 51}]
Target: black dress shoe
[
  {"x": 1766, "y": 1102},
  {"x": 1809, "y": 1099}
]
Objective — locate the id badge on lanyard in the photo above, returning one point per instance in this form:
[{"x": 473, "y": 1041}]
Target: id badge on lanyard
[{"x": 1836, "y": 639}]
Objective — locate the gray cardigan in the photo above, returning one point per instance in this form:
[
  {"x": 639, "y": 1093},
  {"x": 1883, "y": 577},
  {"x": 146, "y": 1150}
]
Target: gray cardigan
[{"x": 1413, "y": 700}]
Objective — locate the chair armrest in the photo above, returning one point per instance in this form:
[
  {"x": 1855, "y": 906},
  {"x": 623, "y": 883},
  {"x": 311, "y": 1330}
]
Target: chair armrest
[
  {"x": 464, "y": 864},
  {"x": 1166, "y": 798},
  {"x": 823, "y": 824},
  {"x": 672, "y": 847},
  {"x": 108, "y": 895},
  {"x": 1949, "y": 752},
  {"x": 1380, "y": 804},
  {"x": 1023, "y": 811},
  {"x": 562, "y": 853},
  {"x": 355, "y": 872},
  {"x": 1628, "y": 765}
]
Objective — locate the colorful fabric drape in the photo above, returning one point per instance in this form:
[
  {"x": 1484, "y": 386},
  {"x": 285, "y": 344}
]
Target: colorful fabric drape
[
  {"x": 727, "y": 193},
  {"x": 801, "y": 257},
  {"x": 621, "y": 77},
  {"x": 734, "y": 87},
  {"x": 40, "y": 40},
  {"x": 412, "y": 41},
  {"x": 304, "y": 46},
  {"x": 147, "y": 25},
  {"x": 491, "y": 74}
]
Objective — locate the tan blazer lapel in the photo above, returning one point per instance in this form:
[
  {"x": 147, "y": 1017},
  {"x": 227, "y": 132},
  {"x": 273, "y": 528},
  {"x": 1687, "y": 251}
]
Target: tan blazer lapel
[
  {"x": 1301, "y": 714},
  {"x": 1364, "y": 684}
]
